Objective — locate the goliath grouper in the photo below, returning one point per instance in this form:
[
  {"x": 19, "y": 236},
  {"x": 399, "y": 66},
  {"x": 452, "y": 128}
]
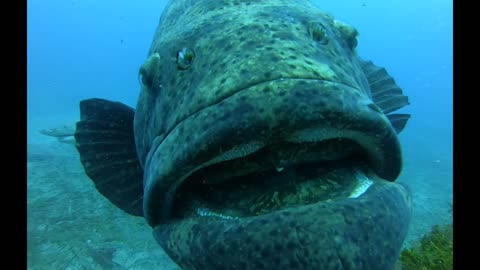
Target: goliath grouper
[{"x": 260, "y": 140}]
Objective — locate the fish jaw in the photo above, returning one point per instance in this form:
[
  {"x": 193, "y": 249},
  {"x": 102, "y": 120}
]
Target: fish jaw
[{"x": 358, "y": 233}]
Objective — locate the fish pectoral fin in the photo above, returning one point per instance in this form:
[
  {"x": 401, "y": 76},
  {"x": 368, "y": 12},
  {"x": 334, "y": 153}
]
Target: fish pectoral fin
[
  {"x": 398, "y": 121},
  {"x": 105, "y": 140},
  {"x": 386, "y": 93}
]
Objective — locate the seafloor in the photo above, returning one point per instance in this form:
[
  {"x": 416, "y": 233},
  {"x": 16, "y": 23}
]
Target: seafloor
[{"x": 71, "y": 226}]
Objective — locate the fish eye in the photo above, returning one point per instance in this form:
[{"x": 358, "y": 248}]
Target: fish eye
[
  {"x": 318, "y": 33},
  {"x": 185, "y": 58}
]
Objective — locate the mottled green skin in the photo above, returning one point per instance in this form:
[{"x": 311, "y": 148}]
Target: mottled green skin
[
  {"x": 237, "y": 44},
  {"x": 352, "y": 237},
  {"x": 260, "y": 73}
]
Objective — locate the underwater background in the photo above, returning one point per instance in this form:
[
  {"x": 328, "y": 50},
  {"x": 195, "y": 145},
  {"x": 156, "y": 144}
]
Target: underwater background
[{"x": 78, "y": 49}]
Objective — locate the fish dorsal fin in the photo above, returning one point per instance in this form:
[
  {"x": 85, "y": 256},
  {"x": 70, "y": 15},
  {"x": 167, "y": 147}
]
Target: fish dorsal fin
[
  {"x": 105, "y": 140},
  {"x": 386, "y": 93}
]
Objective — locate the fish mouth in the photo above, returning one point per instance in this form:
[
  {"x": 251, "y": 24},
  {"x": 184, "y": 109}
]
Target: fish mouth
[
  {"x": 279, "y": 164},
  {"x": 278, "y": 176}
]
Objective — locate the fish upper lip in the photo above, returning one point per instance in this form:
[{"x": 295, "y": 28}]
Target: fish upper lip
[
  {"x": 166, "y": 179},
  {"x": 164, "y": 135}
]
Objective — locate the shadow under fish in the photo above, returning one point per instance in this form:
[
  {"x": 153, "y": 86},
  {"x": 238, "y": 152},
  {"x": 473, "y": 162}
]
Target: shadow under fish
[{"x": 260, "y": 140}]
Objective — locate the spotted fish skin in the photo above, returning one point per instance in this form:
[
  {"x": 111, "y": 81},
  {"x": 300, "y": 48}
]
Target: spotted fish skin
[
  {"x": 299, "y": 238},
  {"x": 223, "y": 81},
  {"x": 239, "y": 44}
]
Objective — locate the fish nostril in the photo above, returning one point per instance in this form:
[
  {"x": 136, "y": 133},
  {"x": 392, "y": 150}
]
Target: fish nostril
[
  {"x": 185, "y": 58},
  {"x": 318, "y": 33},
  {"x": 145, "y": 81}
]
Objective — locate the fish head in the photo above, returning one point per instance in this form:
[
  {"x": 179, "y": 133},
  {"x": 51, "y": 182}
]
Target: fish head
[{"x": 261, "y": 143}]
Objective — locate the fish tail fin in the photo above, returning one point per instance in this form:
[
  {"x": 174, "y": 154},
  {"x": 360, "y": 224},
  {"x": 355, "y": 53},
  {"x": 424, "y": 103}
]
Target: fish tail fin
[{"x": 105, "y": 141}]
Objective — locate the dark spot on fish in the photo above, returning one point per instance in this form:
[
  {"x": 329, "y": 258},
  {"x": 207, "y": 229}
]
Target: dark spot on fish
[
  {"x": 267, "y": 89},
  {"x": 243, "y": 71},
  {"x": 316, "y": 74},
  {"x": 250, "y": 44},
  {"x": 294, "y": 265},
  {"x": 221, "y": 251},
  {"x": 221, "y": 43},
  {"x": 365, "y": 237},
  {"x": 264, "y": 253},
  {"x": 239, "y": 230},
  {"x": 273, "y": 233},
  {"x": 277, "y": 110},
  {"x": 290, "y": 245},
  {"x": 208, "y": 260},
  {"x": 222, "y": 81},
  {"x": 348, "y": 209},
  {"x": 258, "y": 265},
  {"x": 225, "y": 116},
  {"x": 292, "y": 66},
  {"x": 282, "y": 93},
  {"x": 293, "y": 57},
  {"x": 274, "y": 58},
  {"x": 353, "y": 238},
  {"x": 283, "y": 122},
  {"x": 242, "y": 265},
  {"x": 263, "y": 221},
  {"x": 267, "y": 74},
  {"x": 233, "y": 245}
]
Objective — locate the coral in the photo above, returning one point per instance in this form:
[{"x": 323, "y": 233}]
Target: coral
[{"x": 434, "y": 251}]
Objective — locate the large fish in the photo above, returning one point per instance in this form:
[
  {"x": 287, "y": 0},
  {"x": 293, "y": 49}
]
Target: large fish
[{"x": 260, "y": 140}]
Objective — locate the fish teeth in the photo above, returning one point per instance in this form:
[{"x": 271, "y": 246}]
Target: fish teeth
[
  {"x": 205, "y": 212},
  {"x": 363, "y": 183}
]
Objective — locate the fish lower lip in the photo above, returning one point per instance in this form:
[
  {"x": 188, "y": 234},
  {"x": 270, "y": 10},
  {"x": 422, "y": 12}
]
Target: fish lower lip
[{"x": 319, "y": 234}]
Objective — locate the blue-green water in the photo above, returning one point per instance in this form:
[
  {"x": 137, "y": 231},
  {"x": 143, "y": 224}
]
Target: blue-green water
[{"x": 84, "y": 48}]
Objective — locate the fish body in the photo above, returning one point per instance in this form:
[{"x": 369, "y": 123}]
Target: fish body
[{"x": 260, "y": 140}]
